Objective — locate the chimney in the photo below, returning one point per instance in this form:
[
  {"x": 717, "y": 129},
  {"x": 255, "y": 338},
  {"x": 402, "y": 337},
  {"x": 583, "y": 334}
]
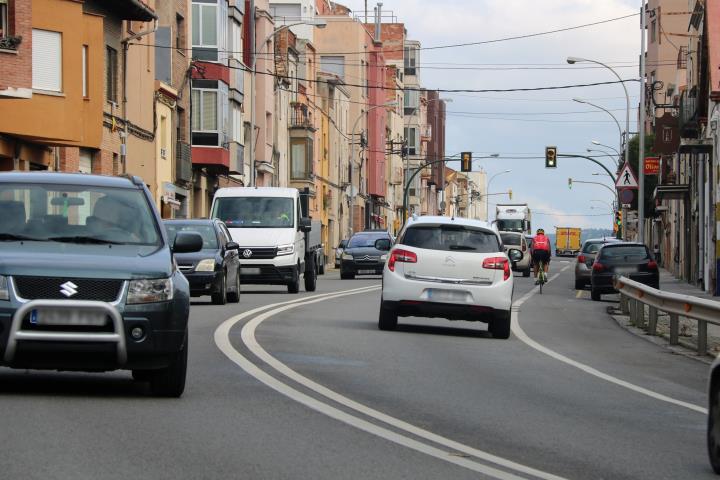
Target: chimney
[{"x": 378, "y": 21}]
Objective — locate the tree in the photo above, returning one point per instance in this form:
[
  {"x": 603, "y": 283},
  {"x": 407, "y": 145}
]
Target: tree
[{"x": 650, "y": 180}]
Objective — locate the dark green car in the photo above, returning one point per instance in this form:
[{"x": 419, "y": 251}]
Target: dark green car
[{"x": 88, "y": 281}]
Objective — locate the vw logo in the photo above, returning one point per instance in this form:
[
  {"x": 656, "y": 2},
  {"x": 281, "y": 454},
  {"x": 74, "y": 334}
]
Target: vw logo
[
  {"x": 68, "y": 289},
  {"x": 247, "y": 253}
]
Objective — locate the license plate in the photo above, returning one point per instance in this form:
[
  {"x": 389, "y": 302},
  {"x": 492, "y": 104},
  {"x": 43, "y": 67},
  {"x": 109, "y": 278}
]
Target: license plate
[
  {"x": 624, "y": 270},
  {"x": 250, "y": 271},
  {"x": 366, "y": 272},
  {"x": 446, "y": 295},
  {"x": 68, "y": 317}
]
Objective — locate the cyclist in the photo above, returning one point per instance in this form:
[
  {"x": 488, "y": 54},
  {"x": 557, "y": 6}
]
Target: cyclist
[{"x": 540, "y": 253}]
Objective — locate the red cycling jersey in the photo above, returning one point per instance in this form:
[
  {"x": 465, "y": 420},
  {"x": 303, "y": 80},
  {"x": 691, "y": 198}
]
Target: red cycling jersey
[{"x": 541, "y": 242}]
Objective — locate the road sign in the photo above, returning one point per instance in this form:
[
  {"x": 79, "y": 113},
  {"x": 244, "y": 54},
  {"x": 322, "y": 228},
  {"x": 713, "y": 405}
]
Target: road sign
[
  {"x": 652, "y": 165},
  {"x": 627, "y": 178},
  {"x": 626, "y": 195}
]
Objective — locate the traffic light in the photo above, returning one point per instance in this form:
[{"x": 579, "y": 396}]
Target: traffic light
[
  {"x": 569, "y": 183},
  {"x": 550, "y": 157},
  {"x": 617, "y": 225},
  {"x": 510, "y": 194},
  {"x": 466, "y": 162}
]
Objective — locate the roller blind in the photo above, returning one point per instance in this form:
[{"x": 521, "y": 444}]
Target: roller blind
[{"x": 47, "y": 60}]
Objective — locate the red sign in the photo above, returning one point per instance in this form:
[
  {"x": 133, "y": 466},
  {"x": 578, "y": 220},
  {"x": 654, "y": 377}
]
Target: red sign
[{"x": 652, "y": 165}]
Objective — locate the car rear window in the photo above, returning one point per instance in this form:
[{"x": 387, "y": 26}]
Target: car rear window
[
  {"x": 207, "y": 232},
  {"x": 510, "y": 238},
  {"x": 592, "y": 247},
  {"x": 630, "y": 251},
  {"x": 451, "y": 237},
  {"x": 366, "y": 240}
]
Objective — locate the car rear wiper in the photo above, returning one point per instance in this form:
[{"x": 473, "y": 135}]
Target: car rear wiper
[
  {"x": 11, "y": 237},
  {"x": 462, "y": 247},
  {"x": 85, "y": 239}
]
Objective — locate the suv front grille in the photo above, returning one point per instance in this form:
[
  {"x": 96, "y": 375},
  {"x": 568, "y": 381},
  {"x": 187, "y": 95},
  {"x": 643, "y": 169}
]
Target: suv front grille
[
  {"x": 51, "y": 288},
  {"x": 257, "y": 253}
]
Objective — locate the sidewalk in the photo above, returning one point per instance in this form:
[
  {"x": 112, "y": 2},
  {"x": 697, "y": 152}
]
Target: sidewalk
[{"x": 688, "y": 328}]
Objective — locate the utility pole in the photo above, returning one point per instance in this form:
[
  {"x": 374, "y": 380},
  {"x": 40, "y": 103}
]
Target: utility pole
[{"x": 641, "y": 149}]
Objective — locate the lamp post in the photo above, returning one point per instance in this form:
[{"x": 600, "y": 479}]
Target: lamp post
[
  {"x": 574, "y": 60},
  {"x": 487, "y": 201},
  {"x": 352, "y": 148},
  {"x": 590, "y": 150},
  {"x": 253, "y": 73},
  {"x": 595, "y": 142},
  {"x": 580, "y": 100},
  {"x": 612, "y": 190}
]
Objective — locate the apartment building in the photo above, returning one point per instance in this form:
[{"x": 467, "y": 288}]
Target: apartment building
[{"x": 415, "y": 113}]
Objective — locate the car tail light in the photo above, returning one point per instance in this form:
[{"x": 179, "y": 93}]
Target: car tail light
[
  {"x": 498, "y": 263},
  {"x": 652, "y": 265},
  {"x": 598, "y": 267},
  {"x": 400, "y": 255},
  {"x": 581, "y": 258}
]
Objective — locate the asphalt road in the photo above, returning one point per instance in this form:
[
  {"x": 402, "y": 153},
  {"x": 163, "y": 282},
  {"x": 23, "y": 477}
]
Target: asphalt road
[{"x": 314, "y": 390}]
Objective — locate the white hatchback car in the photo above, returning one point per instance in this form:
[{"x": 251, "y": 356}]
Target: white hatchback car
[{"x": 451, "y": 268}]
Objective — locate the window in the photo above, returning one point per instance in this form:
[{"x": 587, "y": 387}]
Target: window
[
  {"x": 85, "y": 71},
  {"x": 237, "y": 123},
  {"x": 411, "y": 140},
  {"x": 254, "y": 212},
  {"x": 301, "y": 155},
  {"x": 111, "y": 74},
  {"x": 411, "y": 60},
  {"x": 653, "y": 31},
  {"x": 451, "y": 237},
  {"x": 204, "y": 25},
  {"x": 333, "y": 64},
  {"x": 180, "y": 33},
  {"x": 46, "y": 60},
  {"x": 285, "y": 12},
  {"x": 205, "y": 110},
  {"x": 4, "y": 20},
  {"x": 163, "y": 136},
  {"x": 86, "y": 163},
  {"x": 411, "y": 102}
]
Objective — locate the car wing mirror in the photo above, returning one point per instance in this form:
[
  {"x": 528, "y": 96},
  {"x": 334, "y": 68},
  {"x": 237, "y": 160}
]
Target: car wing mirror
[
  {"x": 232, "y": 246},
  {"x": 515, "y": 255},
  {"x": 383, "y": 244},
  {"x": 304, "y": 224},
  {"x": 187, "y": 242}
]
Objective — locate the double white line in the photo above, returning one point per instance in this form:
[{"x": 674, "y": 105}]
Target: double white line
[{"x": 422, "y": 440}]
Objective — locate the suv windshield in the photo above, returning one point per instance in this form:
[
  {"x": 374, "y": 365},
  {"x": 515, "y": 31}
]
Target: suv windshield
[
  {"x": 255, "y": 212},
  {"x": 76, "y": 214},
  {"x": 207, "y": 232},
  {"x": 451, "y": 237},
  {"x": 510, "y": 238},
  {"x": 365, "y": 240}
]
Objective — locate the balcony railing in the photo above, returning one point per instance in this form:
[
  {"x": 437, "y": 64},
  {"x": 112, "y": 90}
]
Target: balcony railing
[
  {"x": 300, "y": 116},
  {"x": 183, "y": 162}
]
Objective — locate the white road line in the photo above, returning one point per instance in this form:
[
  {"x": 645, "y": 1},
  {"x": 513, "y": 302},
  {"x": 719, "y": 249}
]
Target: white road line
[
  {"x": 520, "y": 333},
  {"x": 248, "y": 335}
]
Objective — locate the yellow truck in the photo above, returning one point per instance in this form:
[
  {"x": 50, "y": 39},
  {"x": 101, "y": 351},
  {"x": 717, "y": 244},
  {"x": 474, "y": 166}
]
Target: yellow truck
[{"x": 567, "y": 241}]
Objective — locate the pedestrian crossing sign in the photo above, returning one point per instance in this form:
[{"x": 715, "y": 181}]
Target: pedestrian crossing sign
[{"x": 627, "y": 178}]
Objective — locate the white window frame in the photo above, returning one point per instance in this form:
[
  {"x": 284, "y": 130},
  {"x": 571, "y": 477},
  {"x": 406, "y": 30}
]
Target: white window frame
[
  {"x": 200, "y": 128},
  {"x": 85, "y": 82},
  {"x": 42, "y": 57},
  {"x": 199, "y": 16}
]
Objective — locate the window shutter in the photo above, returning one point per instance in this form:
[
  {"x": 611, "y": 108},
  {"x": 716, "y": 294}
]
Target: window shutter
[{"x": 47, "y": 60}]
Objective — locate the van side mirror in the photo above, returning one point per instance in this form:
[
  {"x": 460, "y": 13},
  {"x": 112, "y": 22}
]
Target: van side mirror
[
  {"x": 304, "y": 224},
  {"x": 187, "y": 242}
]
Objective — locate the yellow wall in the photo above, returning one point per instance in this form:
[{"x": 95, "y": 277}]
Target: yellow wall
[{"x": 65, "y": 119}]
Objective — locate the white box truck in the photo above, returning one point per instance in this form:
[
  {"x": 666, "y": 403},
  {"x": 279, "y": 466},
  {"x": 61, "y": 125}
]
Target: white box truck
[
  {"x": 513, "y": 217},
  {"x": 278, "y": 240}
]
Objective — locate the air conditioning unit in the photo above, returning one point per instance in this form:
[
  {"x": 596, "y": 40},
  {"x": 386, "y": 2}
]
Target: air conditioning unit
[{"x": 163, "y": 153}]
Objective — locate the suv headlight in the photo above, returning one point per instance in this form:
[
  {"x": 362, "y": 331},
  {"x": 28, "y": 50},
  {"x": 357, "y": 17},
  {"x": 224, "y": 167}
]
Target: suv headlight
[
  {"x": 347, "y": 256},
  {"x": 206, "y": 265},
  {"x": 150, "y": 291},
  {"x": 4, "y": 291},
  {"x": 286, "y": 249}
]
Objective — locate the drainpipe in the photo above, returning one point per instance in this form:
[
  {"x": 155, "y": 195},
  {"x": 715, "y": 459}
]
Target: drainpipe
[{"x": 123, "y": 136}]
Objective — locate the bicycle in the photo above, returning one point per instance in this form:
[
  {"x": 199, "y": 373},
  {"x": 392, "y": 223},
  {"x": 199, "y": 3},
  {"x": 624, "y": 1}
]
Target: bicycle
[{"x": 542, "y": 276}]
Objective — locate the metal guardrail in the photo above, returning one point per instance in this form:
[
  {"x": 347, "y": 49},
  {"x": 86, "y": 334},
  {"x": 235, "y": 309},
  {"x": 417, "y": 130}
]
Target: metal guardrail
[{"x": 634, "y": 296}]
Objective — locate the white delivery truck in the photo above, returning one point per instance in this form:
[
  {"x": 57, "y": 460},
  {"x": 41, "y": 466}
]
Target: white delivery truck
[
  {"x": 278, "y": 240},
  {"x": 513, "y": 217}
]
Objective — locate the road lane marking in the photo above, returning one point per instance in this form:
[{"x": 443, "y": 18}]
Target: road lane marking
[
  {"x": 222, "y": 340},
  {"x": 520, "y": 333}
]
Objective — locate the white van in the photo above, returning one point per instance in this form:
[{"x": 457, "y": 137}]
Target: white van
[{"x": 276, "y": 238}]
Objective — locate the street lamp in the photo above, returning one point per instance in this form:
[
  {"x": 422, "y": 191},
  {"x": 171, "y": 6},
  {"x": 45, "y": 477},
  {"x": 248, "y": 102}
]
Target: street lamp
[
  {"x": 589, "y": 150},
  {"x": 595, "y": 142},
  {"x": 597, "y": 174},
  {"x": 392, "y": 103},
  {"x": 316, "y": 23},
  {"x": 487, "y": 200},
  {"x": 574, "y": 60},
  {"x": 612, "y": 208},
  {"x": 580, "y": 100}
]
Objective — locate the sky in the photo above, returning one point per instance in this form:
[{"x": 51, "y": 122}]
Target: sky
[{"x": 524, "y": 123}]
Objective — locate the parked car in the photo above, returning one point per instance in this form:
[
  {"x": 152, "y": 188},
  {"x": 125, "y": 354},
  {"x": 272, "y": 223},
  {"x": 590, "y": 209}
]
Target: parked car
[
  {"x": 214, "y": 270},
  {"x": 362, "y": 257},
  {"x": 713, "y": 420},
  {"x": 585, "y": 259},
  {"x": 338, "y": 252},
  {"x": 450, "y": 268},
  {"x": 88, "y": 279},
  {"x": 632, "y": 260},
  {"x": 517, "y": 241}
]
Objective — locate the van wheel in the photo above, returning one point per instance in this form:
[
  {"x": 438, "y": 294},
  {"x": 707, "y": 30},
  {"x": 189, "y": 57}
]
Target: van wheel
[
  {"x": 310, "y": 276},
  {"x": 294, "y": 285},
  {"x": 170, "y": 381},
  {"x": 220, "y": 296},
  {"x": 500, "y": 325},
  {"x": 388, "y": 318}
]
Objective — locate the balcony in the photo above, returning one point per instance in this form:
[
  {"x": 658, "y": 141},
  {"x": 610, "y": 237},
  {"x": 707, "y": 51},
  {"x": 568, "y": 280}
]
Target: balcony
[
  {"x": 183, "y": 163},
  {"x": 301, "y": 117},
  {"x": 689, "y": 113}
]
